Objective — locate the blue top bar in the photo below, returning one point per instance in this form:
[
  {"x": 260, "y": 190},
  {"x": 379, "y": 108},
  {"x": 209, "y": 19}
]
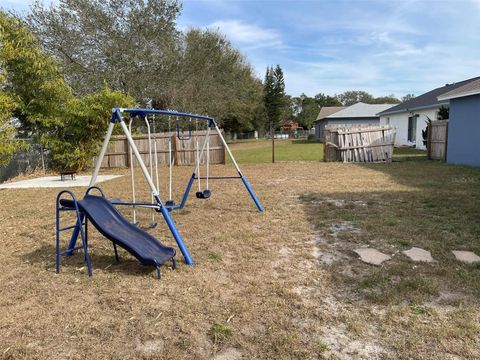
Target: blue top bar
[{"x": 143, "y": 112}]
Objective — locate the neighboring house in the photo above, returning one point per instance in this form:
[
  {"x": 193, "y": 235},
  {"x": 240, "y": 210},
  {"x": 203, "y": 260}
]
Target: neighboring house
[
  {"x": 356, "y": 114},
  {"x": 324, "y": 112},
  {"x": 290, "y": 126},
  {"x": 464, "y": 124},
  {"x": 409, "y": 117}
]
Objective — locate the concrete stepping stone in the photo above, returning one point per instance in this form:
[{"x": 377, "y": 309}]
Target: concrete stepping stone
[
  {"x": 372, "y": 256},
  {"x": 468, "y": 257},
  {"x": 420, "y": 255}
]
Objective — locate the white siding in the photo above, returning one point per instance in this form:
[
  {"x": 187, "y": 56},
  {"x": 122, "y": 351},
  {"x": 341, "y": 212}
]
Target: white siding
[{"x": 400, "y": 122}]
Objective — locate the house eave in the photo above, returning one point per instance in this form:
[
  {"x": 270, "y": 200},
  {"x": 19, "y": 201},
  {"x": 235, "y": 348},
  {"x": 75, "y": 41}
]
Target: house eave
[
  {"x": 467, "y": 93},
  {"x": 413, "y": 109}
]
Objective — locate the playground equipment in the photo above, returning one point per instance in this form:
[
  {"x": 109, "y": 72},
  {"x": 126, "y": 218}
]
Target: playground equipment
[
  {"x": 102, "y": 208},
  {"x": 111, "y": 224}
]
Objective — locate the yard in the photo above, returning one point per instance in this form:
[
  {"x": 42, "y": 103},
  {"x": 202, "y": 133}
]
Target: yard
[{"x": 284, "y": 284}]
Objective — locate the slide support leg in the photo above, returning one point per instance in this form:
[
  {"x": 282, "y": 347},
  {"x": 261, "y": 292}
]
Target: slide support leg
[{"x": 75, "y": 233}]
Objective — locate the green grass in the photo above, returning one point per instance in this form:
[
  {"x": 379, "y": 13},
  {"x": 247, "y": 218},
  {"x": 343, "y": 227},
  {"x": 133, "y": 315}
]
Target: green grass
[
  {"x": 219, "y": 333},
  {"x": 260, "y": 151}
]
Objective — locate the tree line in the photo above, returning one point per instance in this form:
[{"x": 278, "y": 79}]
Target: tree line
[
  {"x": 65, "y": 65},
  {"x": 304, "y": 109}
]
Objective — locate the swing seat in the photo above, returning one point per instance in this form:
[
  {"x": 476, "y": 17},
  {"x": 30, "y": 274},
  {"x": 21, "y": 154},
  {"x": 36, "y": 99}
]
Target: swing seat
[{"x": 205, "y": 194}]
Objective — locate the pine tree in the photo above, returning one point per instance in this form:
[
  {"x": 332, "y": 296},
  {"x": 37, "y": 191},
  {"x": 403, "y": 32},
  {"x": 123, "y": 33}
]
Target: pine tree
[{"x": 274, "y": 99}]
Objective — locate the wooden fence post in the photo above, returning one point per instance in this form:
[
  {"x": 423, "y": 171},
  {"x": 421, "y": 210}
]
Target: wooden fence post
[{"x": 174, "y": 140}]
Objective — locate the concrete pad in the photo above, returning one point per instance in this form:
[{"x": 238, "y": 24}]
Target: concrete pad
[
  {"x": 372, "y": 256},
  {"x": 55, "y": 182},
  {"x": 417, "y": 254},
  {"x": 468, "y": 257}
]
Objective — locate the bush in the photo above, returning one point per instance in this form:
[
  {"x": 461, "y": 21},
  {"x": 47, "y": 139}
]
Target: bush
[
  {"x": 311, "y": 137},
  {"x": 75, "y": 141}
]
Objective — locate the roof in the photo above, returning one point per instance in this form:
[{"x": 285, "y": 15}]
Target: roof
[
  {"x": 328, "y": 110},
  {"x": 471, "y": 88},
  {"x": 360, "y": 110},
  {"x": 427, "y": 100}
]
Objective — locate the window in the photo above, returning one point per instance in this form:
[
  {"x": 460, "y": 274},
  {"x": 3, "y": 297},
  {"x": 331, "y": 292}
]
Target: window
[
  {"x": 387, "y": 121},
  {"x": 412, "y": 128}
]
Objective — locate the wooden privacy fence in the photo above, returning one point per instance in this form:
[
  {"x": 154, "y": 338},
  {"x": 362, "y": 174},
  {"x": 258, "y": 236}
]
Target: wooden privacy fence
[
  {"x": 363, "y": 143},
  {"x": 437, "y": 140},
  {"x": 183, "y": 151}
]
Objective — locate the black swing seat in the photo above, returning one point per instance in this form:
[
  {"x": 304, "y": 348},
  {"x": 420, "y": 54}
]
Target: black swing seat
[{"x": 205, "y": 194}]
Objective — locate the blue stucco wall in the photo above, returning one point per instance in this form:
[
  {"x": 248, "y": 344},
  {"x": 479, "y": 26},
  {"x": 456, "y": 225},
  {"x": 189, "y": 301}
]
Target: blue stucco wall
[{"x": 464, "y": 131}]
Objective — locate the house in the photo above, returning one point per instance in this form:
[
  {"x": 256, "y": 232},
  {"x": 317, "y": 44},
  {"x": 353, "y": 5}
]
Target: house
[
  {"x": 324, "y": 112},
  {"x": 356, "y": 114},
  {"x": 410, "y": 117},
  {"x": 464, "y": 124},
  {"x": 290, "y": 126}
]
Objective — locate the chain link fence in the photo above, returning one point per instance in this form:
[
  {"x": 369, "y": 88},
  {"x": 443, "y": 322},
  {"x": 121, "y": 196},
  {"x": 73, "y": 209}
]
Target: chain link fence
[{"x": 23, "y": 162}]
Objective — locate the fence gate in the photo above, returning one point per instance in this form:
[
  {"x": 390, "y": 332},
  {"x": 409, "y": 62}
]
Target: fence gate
[
  {"x": 364, "y": 143},
  {"x": 437, "y": 140}
]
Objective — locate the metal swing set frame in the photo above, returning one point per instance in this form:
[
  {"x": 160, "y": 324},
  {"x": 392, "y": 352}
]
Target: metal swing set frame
[{"x": 157, "y": 203}]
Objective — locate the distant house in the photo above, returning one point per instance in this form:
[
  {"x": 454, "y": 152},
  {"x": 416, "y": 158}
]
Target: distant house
[
  {"x": 409, "y": 117},
  {"x": 357, "y": 114},
  {"x": 464, "y": 124},
  {"x": 290, "y": 126}
]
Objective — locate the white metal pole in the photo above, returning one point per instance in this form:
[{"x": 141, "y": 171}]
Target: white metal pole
[
  {"x": 198, "y": 162},
  {"x": 132, "y": 174},
  {"x": 150, "y": 163},
  {"x": 203, "y": 150},
  {"x": 227, "y": 148},
  {"x": 93, "y": 180},
  {"x": 156, "y": 160},
  {"x": 140, "y": 161},
  {"x": 207, "y": 138},
  {"x": 170, "y": 167}
]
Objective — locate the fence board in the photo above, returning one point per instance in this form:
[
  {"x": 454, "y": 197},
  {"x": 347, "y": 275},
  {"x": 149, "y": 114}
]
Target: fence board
[
  {"x": 365, "y": 143},
  {"x": 183, "y": 151},
  {"x": 437, "y": 140}
]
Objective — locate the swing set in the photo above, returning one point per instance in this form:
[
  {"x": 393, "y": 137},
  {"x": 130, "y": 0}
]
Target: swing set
[
  {"x": 201, "y": 157},
  {"x": 100, "y": 209}
]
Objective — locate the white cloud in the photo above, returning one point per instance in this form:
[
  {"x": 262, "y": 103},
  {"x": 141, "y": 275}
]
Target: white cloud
[{"x": 249, "y": 36}]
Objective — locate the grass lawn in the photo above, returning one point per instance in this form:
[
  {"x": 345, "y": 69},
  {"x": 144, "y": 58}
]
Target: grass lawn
[
  {"x": 260, "y": 151},
  {"x": 280, "y": 285}
]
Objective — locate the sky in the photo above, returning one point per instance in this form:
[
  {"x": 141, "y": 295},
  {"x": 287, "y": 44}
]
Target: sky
[{"x": 382, "y": 47}]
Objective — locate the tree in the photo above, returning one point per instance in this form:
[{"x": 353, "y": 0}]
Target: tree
[
  {"x": 214, "y": 78},
  {"x": 75, "y": 141},
  {"x": 34, "y": 91},
  {"x": 132, "y": 45},
  {"x": 8, "y": 143},
  {"x": 274, "y": 99},
  {"x": 135, "y": 47},
  {"x": 408, "y": 97},
  {"x": 443, "y": 113},
  {"x": 326, "y": 100},
  {"x": 306, "y": 111},
  {"x": 389, "y": 99},
  {"x": 352, "y": 97},
  {"x": 30, "y": 77}
]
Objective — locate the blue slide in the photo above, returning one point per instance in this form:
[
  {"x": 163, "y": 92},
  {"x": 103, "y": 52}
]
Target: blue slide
[{"x": 111, "y": 224}]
